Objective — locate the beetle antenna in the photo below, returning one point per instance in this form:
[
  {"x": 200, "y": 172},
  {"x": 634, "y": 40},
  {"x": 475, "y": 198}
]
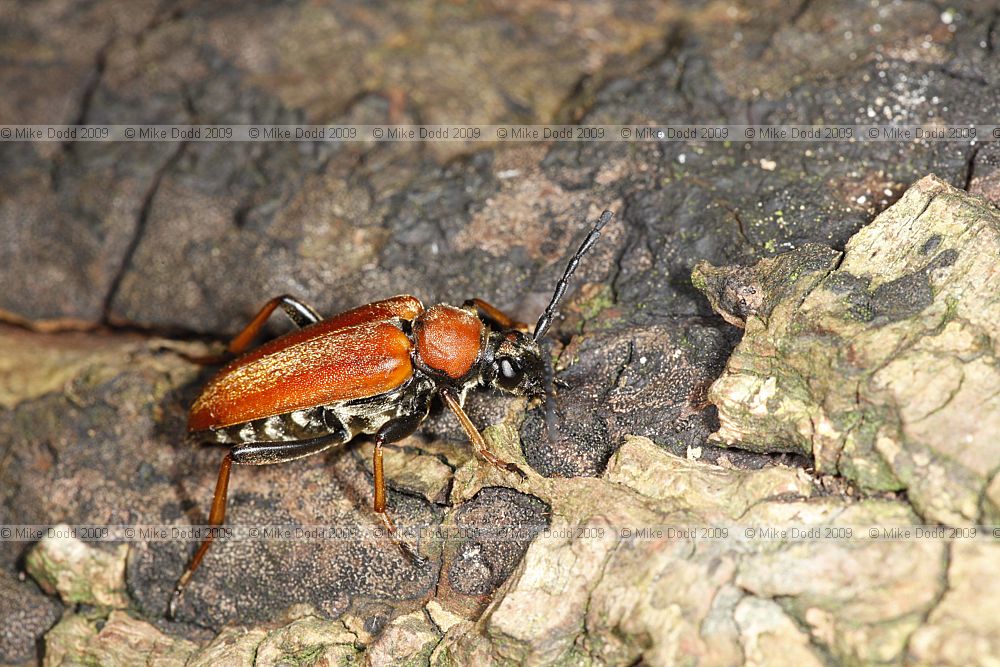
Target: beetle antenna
[{"x": 545, "y": 321}]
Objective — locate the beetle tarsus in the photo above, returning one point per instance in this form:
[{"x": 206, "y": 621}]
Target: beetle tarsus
[
  {"x": 176, "y": 596},
  {"x": 514, "y": 468},
  {"x": 409, "y": 554},
  {"x": 175, "y": 599},
  {"x": 500, "y": 464}
]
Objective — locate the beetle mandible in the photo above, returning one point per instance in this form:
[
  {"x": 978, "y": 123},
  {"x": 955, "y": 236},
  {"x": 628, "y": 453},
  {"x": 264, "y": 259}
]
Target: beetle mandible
[{"x": 372, "y": 370}]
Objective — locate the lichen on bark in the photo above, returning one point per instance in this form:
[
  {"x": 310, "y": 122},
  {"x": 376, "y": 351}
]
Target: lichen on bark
[{"x": 881, "y": 362}]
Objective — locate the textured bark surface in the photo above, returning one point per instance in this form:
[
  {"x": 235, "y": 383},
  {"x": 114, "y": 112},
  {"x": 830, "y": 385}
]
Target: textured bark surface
[
  {"x": 881, "y": 362},
  {"x": 114, "y": 257}
]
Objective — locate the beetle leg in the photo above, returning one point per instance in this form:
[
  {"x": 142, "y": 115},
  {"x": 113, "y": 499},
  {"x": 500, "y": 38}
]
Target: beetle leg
[
  {"x": 494, "y": 315},
  {"x": 299, "y": 313},
  {"x": 248, "y": 454},
  {"x": 476, "y": 437},
  {"x": 215, "y": 518},
  {"x": 391, "y": 431}
]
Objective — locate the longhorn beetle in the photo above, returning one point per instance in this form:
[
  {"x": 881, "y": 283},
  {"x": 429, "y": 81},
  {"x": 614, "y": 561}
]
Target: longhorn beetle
[{"x": 373, "y": 369}]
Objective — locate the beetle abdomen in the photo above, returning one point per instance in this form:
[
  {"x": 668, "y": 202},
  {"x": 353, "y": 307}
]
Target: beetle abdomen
[
  {"x": 292, "y": 426},
  {"x": 324, "y": 368},
  {"x": 344, "y": 419}
]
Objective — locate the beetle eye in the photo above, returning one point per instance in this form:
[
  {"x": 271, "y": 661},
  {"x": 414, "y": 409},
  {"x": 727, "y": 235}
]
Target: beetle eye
[{"x": 510, "y": 373}]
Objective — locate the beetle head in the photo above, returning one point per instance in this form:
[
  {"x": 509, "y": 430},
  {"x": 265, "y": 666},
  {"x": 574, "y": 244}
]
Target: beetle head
[{"x": 513, "y": 363}]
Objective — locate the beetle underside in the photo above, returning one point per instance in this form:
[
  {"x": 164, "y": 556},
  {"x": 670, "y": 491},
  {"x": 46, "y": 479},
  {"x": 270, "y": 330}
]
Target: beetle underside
[{"x": 343, "y": 419}]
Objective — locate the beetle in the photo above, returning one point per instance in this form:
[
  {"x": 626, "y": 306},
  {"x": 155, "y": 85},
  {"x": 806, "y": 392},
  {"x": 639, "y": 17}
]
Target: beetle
[{"x": 371, "y": 370}]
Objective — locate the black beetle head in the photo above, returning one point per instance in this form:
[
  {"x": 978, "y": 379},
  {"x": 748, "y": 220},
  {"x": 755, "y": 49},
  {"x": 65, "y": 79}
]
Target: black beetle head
[{"x": 514, "y": 364}]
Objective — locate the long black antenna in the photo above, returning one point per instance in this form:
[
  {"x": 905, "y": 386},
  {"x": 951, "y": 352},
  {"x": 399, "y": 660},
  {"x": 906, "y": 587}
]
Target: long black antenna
[{"x": 545, "y": 321}]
